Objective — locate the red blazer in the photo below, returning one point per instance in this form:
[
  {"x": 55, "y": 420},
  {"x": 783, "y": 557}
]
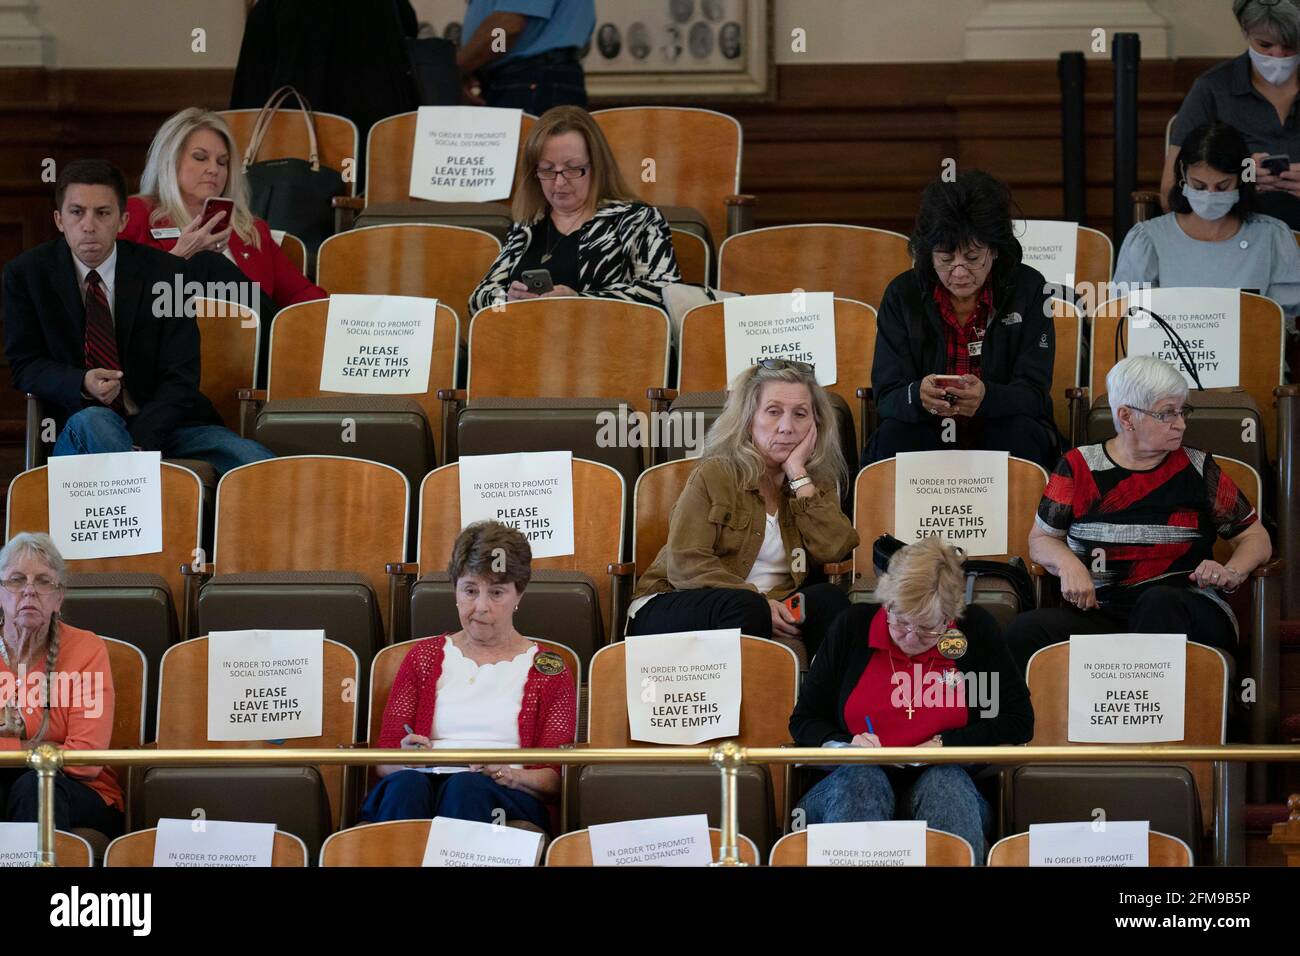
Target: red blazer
[
  {"x": 267, "y": 266},
  {"x": 547, "y": 714}
]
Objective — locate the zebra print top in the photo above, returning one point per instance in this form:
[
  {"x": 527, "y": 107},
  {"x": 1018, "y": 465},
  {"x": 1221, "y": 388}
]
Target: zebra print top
[{"x": 625, "y": 251}]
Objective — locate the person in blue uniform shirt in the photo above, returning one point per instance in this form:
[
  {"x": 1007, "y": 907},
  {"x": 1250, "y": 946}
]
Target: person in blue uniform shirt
[{"x": 525, "y": 54}]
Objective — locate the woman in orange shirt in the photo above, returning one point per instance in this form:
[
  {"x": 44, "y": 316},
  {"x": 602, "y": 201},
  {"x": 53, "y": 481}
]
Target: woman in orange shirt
[{"x": 56, "y": 687}]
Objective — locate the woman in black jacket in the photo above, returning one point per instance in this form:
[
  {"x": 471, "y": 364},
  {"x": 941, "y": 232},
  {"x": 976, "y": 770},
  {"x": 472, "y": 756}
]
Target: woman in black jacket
[
  {"x": 968, "y": 309},
  {"x": 921, "y": 669}
]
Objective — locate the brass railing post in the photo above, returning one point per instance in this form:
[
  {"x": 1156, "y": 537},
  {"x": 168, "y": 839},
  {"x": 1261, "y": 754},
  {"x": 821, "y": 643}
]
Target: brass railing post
[
  {"x": 728, "y": 757},
  {"x": 46, "y": 760}
]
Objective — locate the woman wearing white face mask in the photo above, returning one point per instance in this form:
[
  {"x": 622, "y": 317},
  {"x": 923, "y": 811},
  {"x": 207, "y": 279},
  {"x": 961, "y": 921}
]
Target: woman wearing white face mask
[
  {"x": 1213, "y": 237},
  {"x": 1255, "y": 93}
]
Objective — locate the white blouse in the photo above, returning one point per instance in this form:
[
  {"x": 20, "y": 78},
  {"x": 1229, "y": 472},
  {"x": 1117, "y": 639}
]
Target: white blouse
[{"x": 477, "y": 705}]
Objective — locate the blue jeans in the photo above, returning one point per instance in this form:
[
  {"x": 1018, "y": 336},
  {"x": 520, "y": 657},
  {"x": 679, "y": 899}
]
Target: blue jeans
[
  {"x": 411, "y": 795},
  {"x": 94, "y": 431},
  {"x": 943, "y": 796}
]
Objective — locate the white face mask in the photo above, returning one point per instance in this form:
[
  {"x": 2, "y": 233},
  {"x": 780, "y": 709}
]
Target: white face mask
[
  {"x": 1211, "y": 205},
  {"x": 1274, "y": 69}
]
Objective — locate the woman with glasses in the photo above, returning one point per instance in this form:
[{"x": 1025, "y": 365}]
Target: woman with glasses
[
  {"x": 919, "y": 668},
  {"x": 757, "y": 519},
  {"x": 576, "y": 219},
  {"x": 487, "y": 687},
  {"x": 56, "y": 687},
  {"x": 1129, "y": 526},
  {"x": 965, "y": 339}
]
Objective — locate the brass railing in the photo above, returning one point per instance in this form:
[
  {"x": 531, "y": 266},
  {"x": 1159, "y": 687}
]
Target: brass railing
[{"x": 728, "y": 756}]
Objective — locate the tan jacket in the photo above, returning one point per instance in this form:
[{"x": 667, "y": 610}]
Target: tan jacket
[{"x": 716, "y": 530}]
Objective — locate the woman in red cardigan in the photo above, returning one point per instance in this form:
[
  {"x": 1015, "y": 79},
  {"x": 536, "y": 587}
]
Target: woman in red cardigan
[{"x": 484, "y": 687}]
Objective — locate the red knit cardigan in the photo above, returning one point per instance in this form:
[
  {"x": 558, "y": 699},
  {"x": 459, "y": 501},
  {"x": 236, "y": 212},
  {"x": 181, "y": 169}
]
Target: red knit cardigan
[{"x": 547, "y": 714}]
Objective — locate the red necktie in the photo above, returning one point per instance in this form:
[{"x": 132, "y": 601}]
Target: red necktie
[{"x": 101, "y": 339}]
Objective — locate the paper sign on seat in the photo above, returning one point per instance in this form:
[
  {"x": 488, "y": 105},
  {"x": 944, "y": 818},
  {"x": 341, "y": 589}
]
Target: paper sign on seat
[{"x": 106, "y": 505}]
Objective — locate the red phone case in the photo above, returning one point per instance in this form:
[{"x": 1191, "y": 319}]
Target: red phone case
[{"x": 214, "y": 210}]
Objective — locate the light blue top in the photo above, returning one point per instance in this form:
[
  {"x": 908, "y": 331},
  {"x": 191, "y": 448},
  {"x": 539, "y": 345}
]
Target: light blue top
[
  {"x": 1262, "y": 255},
  {"x": 552, "y": 24}
]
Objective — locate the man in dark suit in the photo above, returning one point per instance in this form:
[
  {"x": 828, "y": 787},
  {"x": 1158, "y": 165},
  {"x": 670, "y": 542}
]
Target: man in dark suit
[{"x": 90, "y": 331}]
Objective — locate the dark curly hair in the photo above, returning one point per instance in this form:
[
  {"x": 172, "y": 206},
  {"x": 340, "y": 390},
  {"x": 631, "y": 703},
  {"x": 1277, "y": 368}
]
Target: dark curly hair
[
  {"x": 1223, "y": 149},
  {"x": 975, "y": 209}
]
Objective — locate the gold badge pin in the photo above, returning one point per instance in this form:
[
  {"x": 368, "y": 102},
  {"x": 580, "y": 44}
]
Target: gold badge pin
[
  {"x": 953, "y": 644},
  {"x": 549, "y": 663}
]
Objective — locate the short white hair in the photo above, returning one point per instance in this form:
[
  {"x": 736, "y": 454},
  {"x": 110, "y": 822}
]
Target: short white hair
[
  {"x": 1142, "y": 381},
  {"x": 38, "y": 545}
]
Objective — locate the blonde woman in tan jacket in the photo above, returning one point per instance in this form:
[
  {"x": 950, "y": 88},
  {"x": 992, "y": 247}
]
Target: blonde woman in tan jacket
[{"x": 759, "y": 514}]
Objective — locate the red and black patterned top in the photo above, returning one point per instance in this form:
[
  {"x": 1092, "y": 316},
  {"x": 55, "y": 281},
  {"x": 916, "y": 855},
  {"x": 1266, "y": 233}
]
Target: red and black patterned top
[
  {"x": 1148, "y": 524},
  {"x": 957, "y": 337}
]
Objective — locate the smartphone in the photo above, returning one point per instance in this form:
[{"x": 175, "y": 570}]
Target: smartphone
[
  {"x": 219, "y": 208},
  {"x": 795, "y": 603},
  {"x": 538, "y": 280},
  {"x": 947, "y": 379},
  {"x": 1277, "y": 164}
]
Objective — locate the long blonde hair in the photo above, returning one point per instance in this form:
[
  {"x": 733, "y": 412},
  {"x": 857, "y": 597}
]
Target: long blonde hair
[
  {"x": 731, "y": 437},
  {"x": 159, "y": 183},
  {"x": 607, "y": 182}
]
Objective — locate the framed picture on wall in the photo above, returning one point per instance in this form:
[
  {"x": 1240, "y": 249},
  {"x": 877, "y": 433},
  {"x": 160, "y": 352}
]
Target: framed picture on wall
[{"x": 661, "y": 49}]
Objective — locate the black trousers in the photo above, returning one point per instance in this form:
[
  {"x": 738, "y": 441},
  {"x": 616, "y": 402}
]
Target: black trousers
[
  {"x": 1150, "y": 609},
  {"x": 1019, "y": 435},
  {"x": 703, "y": 609},
  {"x": 75, "y": 804}
]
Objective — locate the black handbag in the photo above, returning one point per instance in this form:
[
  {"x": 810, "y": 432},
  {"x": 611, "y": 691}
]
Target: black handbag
[
  {"x": 295, "y": 195},
  {"x": 1012, "y": 575}
]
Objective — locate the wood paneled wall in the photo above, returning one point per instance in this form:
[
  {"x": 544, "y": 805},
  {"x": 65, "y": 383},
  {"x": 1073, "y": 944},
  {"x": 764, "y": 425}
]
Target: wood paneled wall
[{"x": 841, "y": 143}]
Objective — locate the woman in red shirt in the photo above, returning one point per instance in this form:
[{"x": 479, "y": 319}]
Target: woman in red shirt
[
  {"x": 484, "y": 687},
  {"x": 921, "y": 669},
  {"x": 192, "y": 158}
]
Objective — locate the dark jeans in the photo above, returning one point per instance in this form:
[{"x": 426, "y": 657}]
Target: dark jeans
[
  {"x": 1150, "y": 609},
  {"x": 1019, "y": 435},
  {"x": 943, "y": 796},
  {"x": 534, "y": 86},
  {"x": 411, "y": 795},
  {"x": 75, "y": 804},
  {"x": 95, "y": 430},
  {"x": 704, "y": 609}
]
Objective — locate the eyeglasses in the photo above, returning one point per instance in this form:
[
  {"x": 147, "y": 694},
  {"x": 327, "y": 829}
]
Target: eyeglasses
[
  {"x": 42, "y": 584},
  {"x": 944, "y": 268},
  {"x": 921, "y": 632},
  {"x": 780, "y": 365},
  {"x": 568, "y": 172},
  {"x": 1165, "y": 417}
]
